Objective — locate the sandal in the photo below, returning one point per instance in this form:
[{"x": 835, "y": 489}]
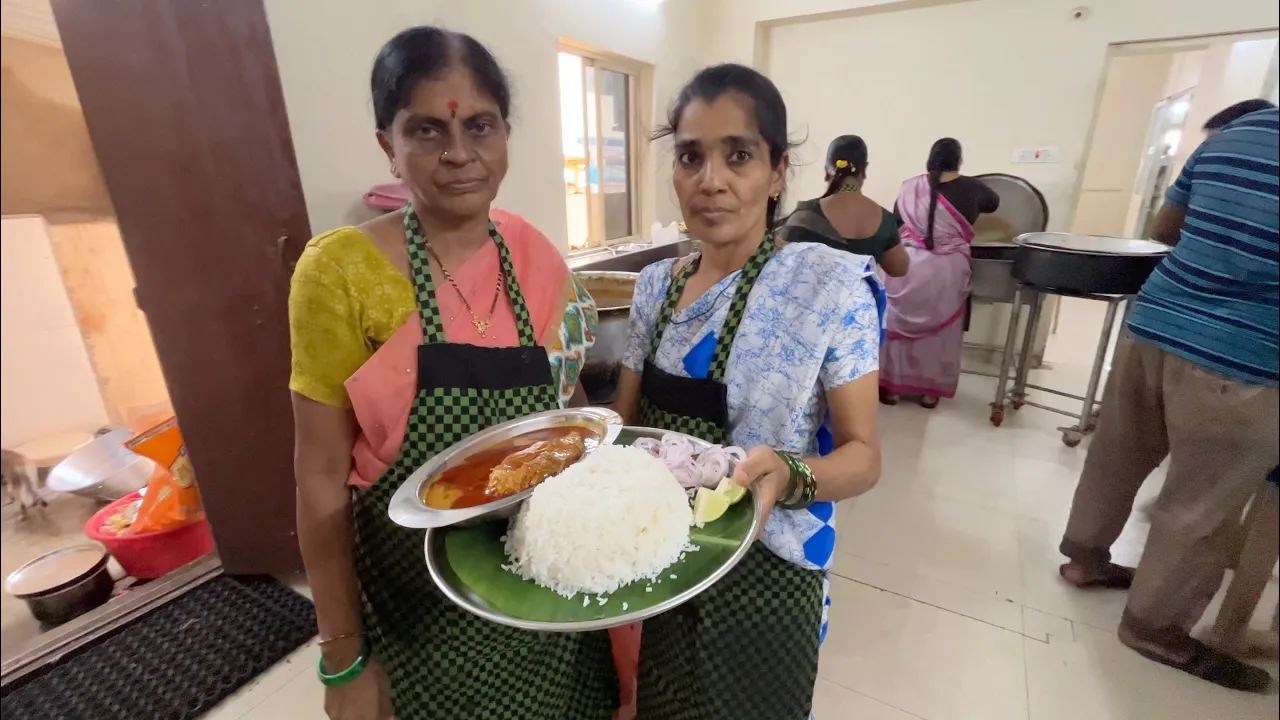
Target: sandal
[
  {"x": 1113, "y": 577},
  {"x": 1218, "y": 668},
  {"x": 888, "y": 398},
  {"x": 928, "y": 402}
]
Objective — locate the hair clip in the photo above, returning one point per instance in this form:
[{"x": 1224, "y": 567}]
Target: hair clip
[{"x": 842, "y": 164}]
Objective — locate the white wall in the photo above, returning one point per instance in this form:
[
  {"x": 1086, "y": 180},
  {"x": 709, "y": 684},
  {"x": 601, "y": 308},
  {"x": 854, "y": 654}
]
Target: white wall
[
  {"x": 997, "y": 74},
  {"x": 1272, "y": 92},
  {"x": 1134, "y": 84},
  {"x": 994, "y": 73},
  {"x": 48, "y": 385},
  {"x": 325, "y": 49}
]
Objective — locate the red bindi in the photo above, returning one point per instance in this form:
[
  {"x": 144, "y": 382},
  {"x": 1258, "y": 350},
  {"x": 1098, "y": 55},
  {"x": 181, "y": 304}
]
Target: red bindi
[{"x": 453, "y": 108}]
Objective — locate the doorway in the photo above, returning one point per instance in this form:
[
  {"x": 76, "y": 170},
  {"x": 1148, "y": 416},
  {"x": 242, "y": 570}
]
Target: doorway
[
  {"x": 80, "y": 363},
  {"x": 1153, "y": 101},
  {"x": 208, "y": 218}
]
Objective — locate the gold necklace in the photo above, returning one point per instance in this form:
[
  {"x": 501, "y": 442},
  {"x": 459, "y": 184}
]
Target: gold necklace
[{"x": 480, "y": 325}]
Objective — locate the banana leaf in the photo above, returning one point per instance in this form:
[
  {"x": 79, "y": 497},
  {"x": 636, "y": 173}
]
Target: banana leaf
[{"x": 470, "y": 561}]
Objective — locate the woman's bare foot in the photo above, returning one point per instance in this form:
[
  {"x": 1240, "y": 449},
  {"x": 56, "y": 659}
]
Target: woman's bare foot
[{"x": 928, "y": 402}]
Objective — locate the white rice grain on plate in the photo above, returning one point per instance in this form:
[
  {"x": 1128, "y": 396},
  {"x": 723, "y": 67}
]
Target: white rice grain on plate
[{"x": 616, "y": 517}]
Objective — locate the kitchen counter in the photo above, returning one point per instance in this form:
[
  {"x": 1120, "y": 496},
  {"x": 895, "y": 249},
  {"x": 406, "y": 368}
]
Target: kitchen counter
[{"x": 627, "y": 260}]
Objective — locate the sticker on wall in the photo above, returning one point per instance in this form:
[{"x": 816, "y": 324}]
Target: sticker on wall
[{"x": 1042, "y": 154}]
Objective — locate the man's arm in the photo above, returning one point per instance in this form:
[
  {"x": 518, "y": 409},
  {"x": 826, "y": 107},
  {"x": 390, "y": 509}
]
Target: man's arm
[
  {"x": 1168, "y": 226},
  {"x": 1173, "y": 214}
]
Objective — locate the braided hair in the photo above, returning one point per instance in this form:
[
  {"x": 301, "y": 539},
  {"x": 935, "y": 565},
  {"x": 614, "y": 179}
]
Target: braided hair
[
  {"x": 944, "y": 156},
  {"x": 846, "y": 158}
]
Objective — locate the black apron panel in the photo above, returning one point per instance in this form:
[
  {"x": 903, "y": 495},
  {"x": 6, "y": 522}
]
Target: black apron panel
[
  {"x": 686, "y": 397},
  {"x": 448, "y": 366}
]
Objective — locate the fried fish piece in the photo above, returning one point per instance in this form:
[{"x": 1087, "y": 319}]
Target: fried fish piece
[{"x": 524, "y": 469}]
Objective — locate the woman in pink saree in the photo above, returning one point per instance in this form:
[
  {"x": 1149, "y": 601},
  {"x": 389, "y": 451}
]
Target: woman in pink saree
[{"x": 925, "y": 320}]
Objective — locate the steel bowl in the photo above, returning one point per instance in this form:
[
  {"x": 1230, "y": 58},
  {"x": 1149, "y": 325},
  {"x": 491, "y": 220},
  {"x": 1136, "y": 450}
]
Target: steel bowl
[
  {"x": 103, "y": 470},
  {"x": 63, "y": 584},
  {"x": 407, "y": 509},
  {"x": 470, "y": 600}
]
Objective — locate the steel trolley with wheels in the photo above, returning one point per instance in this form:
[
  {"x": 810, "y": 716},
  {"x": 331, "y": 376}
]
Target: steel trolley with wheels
[{"x": 1094, "y": 267}]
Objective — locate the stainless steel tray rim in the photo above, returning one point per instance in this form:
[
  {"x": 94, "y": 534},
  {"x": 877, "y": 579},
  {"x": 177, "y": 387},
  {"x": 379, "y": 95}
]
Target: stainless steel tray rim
[
  {"x": 1157, "y": 250},
  {"x": 406, "y": 507},
  {"x": 464, "y": 602}
]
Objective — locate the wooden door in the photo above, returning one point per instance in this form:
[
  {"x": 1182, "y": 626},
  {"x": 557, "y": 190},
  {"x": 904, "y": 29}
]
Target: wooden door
[{"x": 184, "y": 107}]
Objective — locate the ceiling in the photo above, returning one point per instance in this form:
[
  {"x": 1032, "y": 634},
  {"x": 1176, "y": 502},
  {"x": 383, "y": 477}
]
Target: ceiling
[{"x": 28, "y": 19}]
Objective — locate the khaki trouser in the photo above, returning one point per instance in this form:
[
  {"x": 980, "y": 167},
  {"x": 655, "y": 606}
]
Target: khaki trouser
[
  {"x": 1258, "y": 555},
  {"x": 1221, "y": 437}
]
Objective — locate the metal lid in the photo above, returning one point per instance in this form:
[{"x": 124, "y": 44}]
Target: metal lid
[
  {"x": 96, "y": 462},
  {"x": 1022, "y": 206},
  {"x": 1093, "y": 244},
  {"x": 55, "y": 570}
]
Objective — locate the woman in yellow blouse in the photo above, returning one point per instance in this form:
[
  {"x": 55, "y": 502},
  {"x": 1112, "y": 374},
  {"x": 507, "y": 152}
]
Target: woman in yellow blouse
[{"x": 409, "y": 333}]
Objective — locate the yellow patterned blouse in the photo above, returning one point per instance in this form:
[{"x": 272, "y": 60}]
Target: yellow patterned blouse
[{"x": 347, "y": 299}]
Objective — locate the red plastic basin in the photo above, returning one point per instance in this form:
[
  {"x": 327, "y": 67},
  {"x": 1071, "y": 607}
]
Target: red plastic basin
[{"x": 151, "y": 555}]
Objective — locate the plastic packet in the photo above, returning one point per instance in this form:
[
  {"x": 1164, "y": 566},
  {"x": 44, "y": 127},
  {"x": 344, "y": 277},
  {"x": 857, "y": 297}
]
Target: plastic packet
[{"x": 171, "y": 499}]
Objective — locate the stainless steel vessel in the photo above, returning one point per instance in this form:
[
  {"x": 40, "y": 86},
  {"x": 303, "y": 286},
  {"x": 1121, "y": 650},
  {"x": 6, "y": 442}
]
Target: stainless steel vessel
[
  {"x": 408, "y": 509},
  {"x": 612, "y": 291},
  {"x": 1088, "y": 264},
  {"x": 63, "y": 584},
  {"x": 1023, "y": 210}
]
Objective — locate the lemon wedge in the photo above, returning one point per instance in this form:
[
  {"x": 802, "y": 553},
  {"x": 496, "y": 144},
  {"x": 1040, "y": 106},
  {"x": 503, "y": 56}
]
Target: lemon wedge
[
  {"x": 709, "y": 505},
  {"x": 731, "y": 490}
]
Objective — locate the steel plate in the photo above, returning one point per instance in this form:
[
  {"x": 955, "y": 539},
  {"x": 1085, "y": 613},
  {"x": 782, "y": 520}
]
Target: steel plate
[
  {"x": 478, "y": 601},
  {"x": 406, "y": 507}
]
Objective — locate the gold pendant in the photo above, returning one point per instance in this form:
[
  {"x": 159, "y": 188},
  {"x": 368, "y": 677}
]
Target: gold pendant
[{"x": 481, "y": 326}]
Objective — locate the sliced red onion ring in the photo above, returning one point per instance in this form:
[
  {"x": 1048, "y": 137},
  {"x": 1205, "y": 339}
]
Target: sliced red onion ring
[
  {"x": 649, "y": 445},
  {"x": 687, "y": 475},
  {"x": 713, "y": 466},
  {"x": 693, "y": 469}
]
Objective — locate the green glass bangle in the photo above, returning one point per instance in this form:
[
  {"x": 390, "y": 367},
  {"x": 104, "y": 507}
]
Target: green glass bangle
[
  {"x": 802, "y": 478},
  {"x": 792, "y": 478},
  {"x": 343, "y": 677}
]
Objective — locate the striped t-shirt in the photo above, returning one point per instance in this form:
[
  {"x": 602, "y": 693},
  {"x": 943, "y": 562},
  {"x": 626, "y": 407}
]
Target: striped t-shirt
[{"x": 1214, "y": 299}]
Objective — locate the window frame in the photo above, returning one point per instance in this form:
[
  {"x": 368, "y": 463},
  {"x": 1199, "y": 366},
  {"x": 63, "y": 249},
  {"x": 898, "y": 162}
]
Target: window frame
[{"x": 639, "y": 106}]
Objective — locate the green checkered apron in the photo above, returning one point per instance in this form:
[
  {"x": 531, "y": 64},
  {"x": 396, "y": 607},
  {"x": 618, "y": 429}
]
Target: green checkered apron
[
  {"x": 747, "y": 648},
  {"x": 444, "y": 663}
]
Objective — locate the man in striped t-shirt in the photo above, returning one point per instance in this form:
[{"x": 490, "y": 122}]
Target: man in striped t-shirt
[{"x": 1195, "y": 380}]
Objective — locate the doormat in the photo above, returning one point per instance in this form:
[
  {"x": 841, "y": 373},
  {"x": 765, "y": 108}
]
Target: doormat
[{"x": 177, "y": 661}]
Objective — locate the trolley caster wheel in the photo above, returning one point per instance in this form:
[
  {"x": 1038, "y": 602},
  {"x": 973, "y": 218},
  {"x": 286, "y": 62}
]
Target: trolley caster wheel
[
  {"x": 1072, "y": 438},
  {"x": 1017, "y": 404},
  {"x": 997, "y": 417}
]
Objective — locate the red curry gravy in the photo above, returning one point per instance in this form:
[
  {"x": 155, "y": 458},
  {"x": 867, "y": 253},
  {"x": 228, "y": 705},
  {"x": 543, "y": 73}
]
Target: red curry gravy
[{"x": 462, "y": 486}]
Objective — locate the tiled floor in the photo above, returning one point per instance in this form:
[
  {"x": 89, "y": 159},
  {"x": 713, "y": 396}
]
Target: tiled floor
[{"x": 947, "y": 604}]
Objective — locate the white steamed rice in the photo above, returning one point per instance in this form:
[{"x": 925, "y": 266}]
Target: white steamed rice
[{"x": 616, "y": 517}]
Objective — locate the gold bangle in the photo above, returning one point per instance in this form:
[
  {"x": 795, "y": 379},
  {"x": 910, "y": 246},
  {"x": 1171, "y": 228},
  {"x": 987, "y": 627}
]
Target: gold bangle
[{"x": 344, "y": 636}]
